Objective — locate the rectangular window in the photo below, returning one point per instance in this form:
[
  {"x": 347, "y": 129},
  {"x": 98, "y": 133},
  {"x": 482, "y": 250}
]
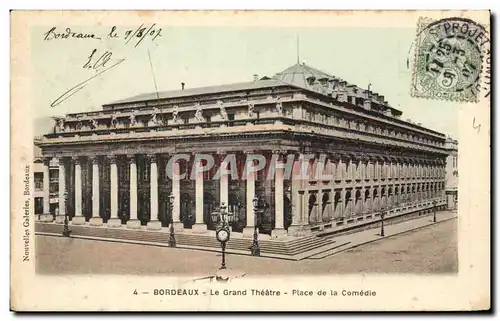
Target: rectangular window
[
  {"x": 38, "y": 181},
  {"x": 38, "y": 205},
  {"x": 53, "y": 188},
  {"x": 230, "y": 117}
]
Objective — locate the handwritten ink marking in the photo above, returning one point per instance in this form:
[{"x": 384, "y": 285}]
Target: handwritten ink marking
[
  {"x": 478, "y": 127},
  {"x": 141, "y": 33},
  {"x": 128, "y": 32},
  {"x": 67, "y": 34},
  {"x": 101, "y": 61},
  {"x": 73, "y": 90},
  {"x": 144, "y": 35},
  {"x": 112, "y": 33}
]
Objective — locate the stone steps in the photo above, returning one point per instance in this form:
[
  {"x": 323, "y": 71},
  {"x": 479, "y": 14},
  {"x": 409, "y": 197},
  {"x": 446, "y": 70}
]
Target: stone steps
[{"x": 289, "y": 248}]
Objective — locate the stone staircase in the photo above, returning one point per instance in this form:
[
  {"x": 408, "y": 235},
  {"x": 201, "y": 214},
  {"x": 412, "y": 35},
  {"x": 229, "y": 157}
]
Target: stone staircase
[
  {"x": 321, "y": 242},
  {"x": 281, "y": 248}
]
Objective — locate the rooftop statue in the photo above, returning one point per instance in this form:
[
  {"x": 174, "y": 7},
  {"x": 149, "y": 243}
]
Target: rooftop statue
[
  {"x": 279, "y": 107},
  {"x": 175, "y": 115},
  {"x": 223, "y": 111},
  {"x": 132, "y": 118},
  {"x": 61, "y": 124},
  {"x": 199, "y": 115},
  {"x": 114, "y": 120},
  {"x": 251, "y": 112}
]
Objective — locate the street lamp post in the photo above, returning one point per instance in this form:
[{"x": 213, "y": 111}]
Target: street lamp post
[
  {"x": 434, "y": 209},
  {"x": 382, "y": 216},
  {"x": 256, "y": 211},
  {"x": 171, "y": 241},
  {"x": 223, "y": 218},
  {"x": 66, "y": 231}
]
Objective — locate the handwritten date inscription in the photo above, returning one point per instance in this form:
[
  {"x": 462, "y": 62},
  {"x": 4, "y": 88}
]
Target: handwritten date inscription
[
  {"x": 139, "y": 34},
  {"x": 133, "y": 36}
]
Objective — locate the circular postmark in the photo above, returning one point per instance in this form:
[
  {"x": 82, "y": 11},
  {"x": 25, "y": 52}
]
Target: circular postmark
[{"x": 449, "y": 59}]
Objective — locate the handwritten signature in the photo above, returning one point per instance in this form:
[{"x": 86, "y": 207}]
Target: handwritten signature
[{"x": 100, "y": 66}]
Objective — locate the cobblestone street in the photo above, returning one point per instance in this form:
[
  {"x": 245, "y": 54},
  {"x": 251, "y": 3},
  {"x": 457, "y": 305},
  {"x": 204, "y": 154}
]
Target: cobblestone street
[{"x": 431, "y": 249}]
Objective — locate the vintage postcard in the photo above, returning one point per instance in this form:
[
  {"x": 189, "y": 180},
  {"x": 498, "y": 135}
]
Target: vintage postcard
[{"x": 250, "y": 160}]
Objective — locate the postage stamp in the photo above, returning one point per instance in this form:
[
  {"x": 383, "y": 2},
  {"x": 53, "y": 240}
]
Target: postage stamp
[
  {"x": 450, "y": 55},
  {"x": 193, "y": 161}
]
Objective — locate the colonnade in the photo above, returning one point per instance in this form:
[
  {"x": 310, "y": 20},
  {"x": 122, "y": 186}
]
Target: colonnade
[{"x": 337, "y": 186}]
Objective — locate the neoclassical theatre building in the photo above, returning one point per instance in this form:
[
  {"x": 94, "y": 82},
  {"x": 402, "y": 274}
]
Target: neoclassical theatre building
[{"x": 113, "y": 162}]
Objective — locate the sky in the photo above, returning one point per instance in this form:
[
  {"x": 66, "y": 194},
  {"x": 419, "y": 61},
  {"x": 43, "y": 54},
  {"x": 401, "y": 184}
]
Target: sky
[{"x": 204, "y": 56}]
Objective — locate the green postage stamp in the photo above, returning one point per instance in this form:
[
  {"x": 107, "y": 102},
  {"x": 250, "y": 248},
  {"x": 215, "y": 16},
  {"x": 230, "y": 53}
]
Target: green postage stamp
[{"x": 450, "y": 57}]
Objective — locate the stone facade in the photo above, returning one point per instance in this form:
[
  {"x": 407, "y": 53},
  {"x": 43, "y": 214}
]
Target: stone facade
[
  {"x": 451, "y": 179},
  {"x": 113, "y": 162}
]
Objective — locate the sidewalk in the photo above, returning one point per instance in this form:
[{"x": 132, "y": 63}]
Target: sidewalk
[
  {"x": 353, "y": 240},
  {"x": 338, "y": 243}
]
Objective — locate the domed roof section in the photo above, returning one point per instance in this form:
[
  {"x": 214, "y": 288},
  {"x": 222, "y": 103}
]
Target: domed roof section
[{"x": 304, "y": 76}]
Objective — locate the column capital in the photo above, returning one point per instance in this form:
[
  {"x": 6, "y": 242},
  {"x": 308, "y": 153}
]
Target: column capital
[
  {"x": 349, "y": 156},
  {"x": 357, "y": 157},
  {"x": 112, "y": 159},
  {"x": 371, "y": 158},
  {"x": 334, "y": 157},
  {"x": 61, "y": 161},
  {"x": 221, "y": 153},
  {"x": 282, "y": 154},
  {"x": 131, "y": 159},
  {"x": 152, "y": 158},
  {"x": 95, "y": 159},
  {"x": 76, "y": 160},
  {"x": 343, "y": 156},
  {"x": 386, "y": 158}
]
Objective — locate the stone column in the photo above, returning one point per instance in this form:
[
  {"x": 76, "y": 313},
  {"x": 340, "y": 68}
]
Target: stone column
[
  {"x": 176, "y": 190},
  {"x": 46, "y": 216},
  {"x": 224, "y": 183},
  {"x": 95, "y": 219},
  {"x": 199, "y": 225},
  {"x": 319, "y": 166},
  {"x": 62, "y": 190},
  {"x": 367, "y": 206},
  {"x": 114, "y": 220},
  {"x": 360, "y": 209},
  {"x": 154, "y": 223},
  {"x": 350, "y": 201},
  {"x": 250, "y": 180},
  {"x": 279, "y": 229},
  {"x": 297, "y": 198},
  {"x": 133, "y": 222},
  {"x": 343, "y": 205},
  {"x": 78, "y": 219}
]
